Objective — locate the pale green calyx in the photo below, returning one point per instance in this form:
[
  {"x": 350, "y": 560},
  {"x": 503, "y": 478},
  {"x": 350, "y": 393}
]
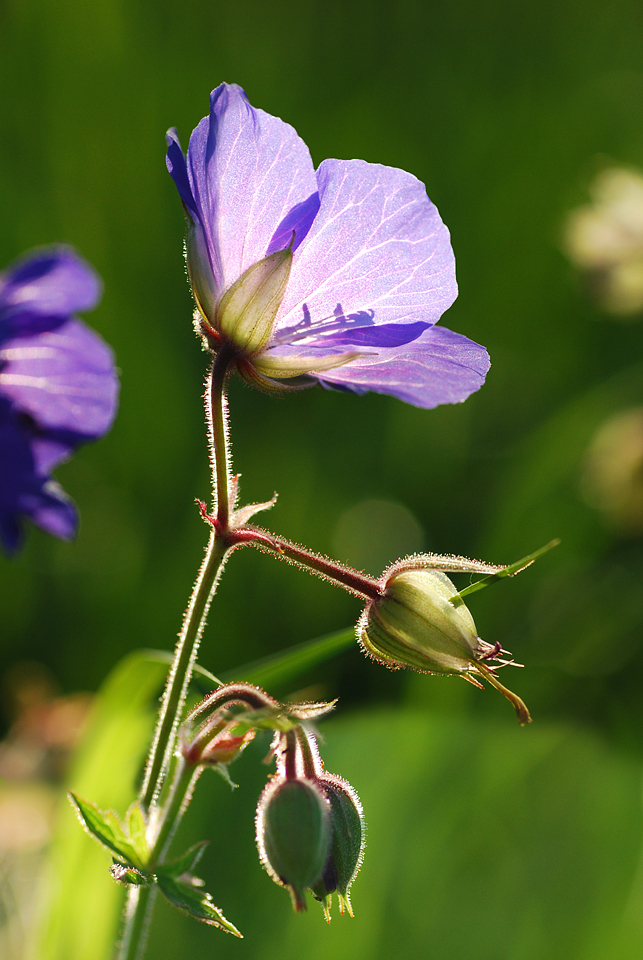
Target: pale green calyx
[
  {"x": 200, "y": 271},
  {"x": 414, "y": 625},
  {"x": 246, "y": 313}
]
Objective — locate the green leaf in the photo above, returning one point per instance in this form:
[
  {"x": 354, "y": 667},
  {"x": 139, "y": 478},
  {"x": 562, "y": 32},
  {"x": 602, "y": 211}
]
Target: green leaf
[
  {"x": 509, "y": 571},
  {"x": 190, "y": 898},
  {"x": 281, "y": 668},
  {"x": 137, "y": 831},
  {"x": 82, "y": 913},
  {"x": 105, "y": 827},
  {"x": 199, "y": 673},
  {"x": 185, "y": 863}
]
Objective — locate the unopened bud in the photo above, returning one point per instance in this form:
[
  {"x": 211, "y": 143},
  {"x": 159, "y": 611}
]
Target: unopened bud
[
  {"x": 224, "y": 749},
  {"x": 293, "y": 835},
  {"x": 246, "y": 312},
  {"x": 414, "y": 624},
  {"x": 346, "y": 843}
]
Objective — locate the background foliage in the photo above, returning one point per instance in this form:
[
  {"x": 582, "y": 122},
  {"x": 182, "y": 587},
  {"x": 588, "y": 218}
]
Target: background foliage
[{"x": 485, "y": 841}]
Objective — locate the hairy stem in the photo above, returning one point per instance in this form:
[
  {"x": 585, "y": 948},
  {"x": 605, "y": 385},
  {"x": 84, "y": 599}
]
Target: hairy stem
[
  {"x": 204, "y": 588},
  {"x": 136, "y": 922},
  {"x": 140, "y": 901},
  {"x": 178, "y": 800},
  {"x": 339, "y": 574},
  {"x": 181, "y": 670},
  {"x": 216, "y": 406}
]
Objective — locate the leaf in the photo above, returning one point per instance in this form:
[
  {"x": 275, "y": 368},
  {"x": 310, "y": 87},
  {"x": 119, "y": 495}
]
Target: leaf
[
  {"x": 509, "y": 571},
  {"x": 199, "y": 672},
  {"x": 185, "y": 863},
  {"x": 105, "y": 827},
  {"x": 137, "y": 831},
  {"x": 196, "y": 902},
  {"x": 280, "y": 668},
  {"x": 81, "y": 916}
]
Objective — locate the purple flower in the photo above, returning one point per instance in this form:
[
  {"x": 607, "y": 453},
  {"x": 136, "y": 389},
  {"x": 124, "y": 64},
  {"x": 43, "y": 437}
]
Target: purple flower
[
  {"x": 58, "y": 386},
  {"x": 338, "y": 274}
]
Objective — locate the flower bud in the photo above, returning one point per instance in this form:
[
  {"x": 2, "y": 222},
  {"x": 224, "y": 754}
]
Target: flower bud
[
  {"x": 414, "y": 625},
  {"x": 224, "y": 749},
  {"x": 246, "y": 312},
  {"x": 293, "y": 834},
  {"x": 346, "y": 843}
]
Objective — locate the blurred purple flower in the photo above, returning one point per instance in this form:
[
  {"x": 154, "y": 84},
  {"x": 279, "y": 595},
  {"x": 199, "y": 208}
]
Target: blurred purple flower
[
  {"x": 58, "y": 386},
  {"x": 372, "y": 266}
]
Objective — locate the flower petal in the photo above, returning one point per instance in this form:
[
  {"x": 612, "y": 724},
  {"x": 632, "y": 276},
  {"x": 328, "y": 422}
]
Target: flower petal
[
  {"x": 377, "y": 245},
  {"x": 382, "y": 335},
  {"x": 175, "y": 162},
  {"x": 24, "y": 491},
  {"x": 247, "y": 171},
  {"x": 439, "y": 367},
  {"x": 42, "y": 290},
  {"x": 65, "y": 379}
]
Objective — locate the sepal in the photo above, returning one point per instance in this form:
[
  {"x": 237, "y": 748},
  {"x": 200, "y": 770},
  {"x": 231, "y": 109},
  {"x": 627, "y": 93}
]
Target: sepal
[{"x": 246, "y": 313}]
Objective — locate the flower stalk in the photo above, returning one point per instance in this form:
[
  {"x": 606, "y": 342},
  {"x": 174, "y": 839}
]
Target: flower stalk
[{"x": 140, "y": 901}]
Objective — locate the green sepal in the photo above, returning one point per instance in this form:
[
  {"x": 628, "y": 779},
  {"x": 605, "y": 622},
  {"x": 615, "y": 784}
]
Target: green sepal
[
  {"x": 510, "y": 571},
  {"x": 246, "y": 312},
  {"x": 107, "y": 829},
  {"x": 185, "y": 863},
  {"x": 189, "y": 897}
]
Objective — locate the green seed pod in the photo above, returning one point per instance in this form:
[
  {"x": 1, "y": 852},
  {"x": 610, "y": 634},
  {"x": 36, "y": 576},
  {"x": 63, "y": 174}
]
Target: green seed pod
[
  {"x": 414, "y": 625},
  {"x": 293, "y": 834},
  {"x": 246, "y": 312},
  {"x": 346, "y": 844}
]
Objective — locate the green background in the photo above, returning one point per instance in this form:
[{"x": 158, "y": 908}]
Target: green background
[{"x": 485, "y": 841}]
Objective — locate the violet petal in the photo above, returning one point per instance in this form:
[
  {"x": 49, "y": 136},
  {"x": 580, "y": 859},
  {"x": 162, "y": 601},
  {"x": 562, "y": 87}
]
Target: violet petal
[
  {"x": 377, "y": 244},
  {"x": 25, "y": 492},
  {"x": 64, "y": 379},
  {"x": 40, "y": 292},
  {"x": 175, "y": 162},
  {"x": 439, "y": 367},
  {"x": 383, "y": 335},
  {"x": 247, "y": 170}
]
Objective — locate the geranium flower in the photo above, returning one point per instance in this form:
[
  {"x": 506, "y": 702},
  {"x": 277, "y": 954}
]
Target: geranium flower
[
  {"x": 58, "y": 386},
  {"x": 338, "y": 274}
]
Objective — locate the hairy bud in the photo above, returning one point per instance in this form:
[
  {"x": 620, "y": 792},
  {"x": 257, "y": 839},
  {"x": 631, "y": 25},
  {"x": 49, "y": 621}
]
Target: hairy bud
[
  {"x": 293, "y": 834},
  {"x": 415, "y": 625},
  {"x": 346, "y": 843}
]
